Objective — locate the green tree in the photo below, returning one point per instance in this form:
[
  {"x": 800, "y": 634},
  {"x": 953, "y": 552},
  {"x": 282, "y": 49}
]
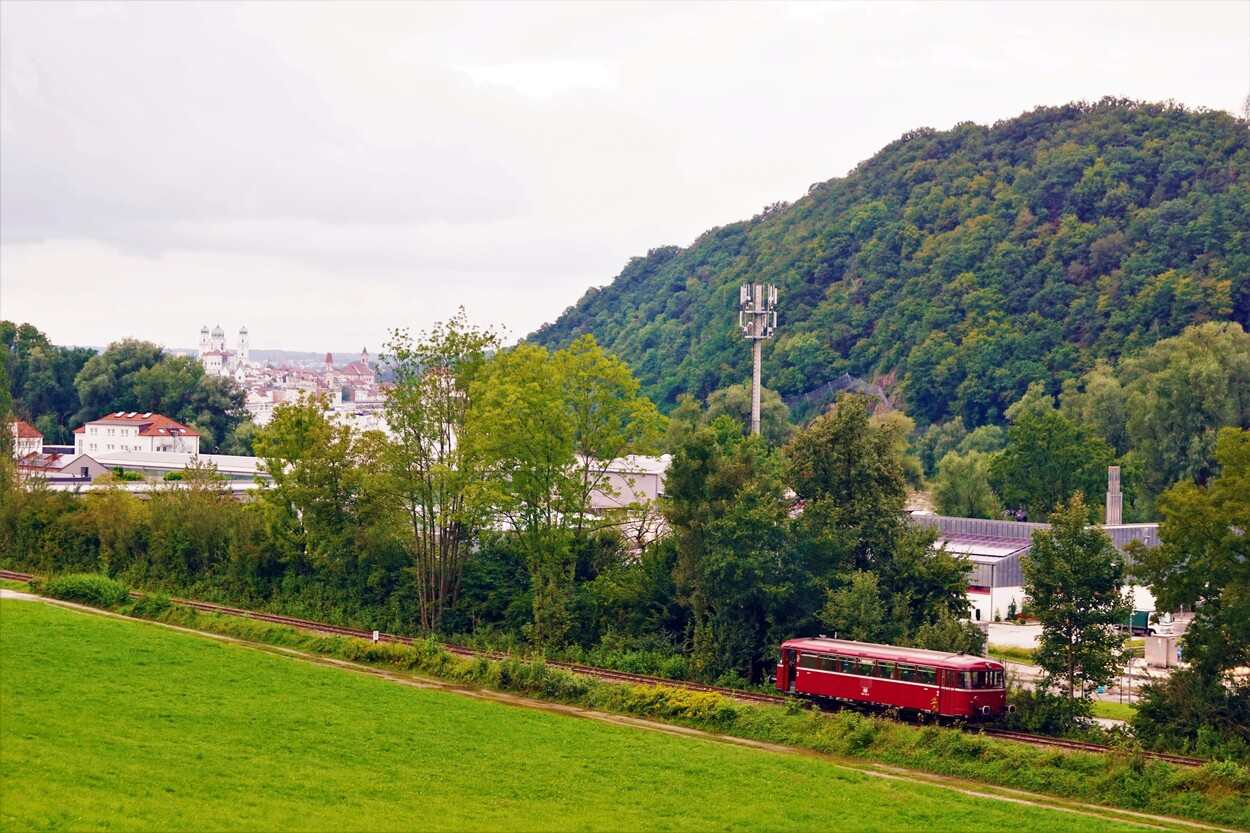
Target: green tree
[
  {"x": 936, "y": 441},
  {"x": 900, "y": 426},
  {"x": 118, "y": 520},
  {"x": 962, "y": 489},
  {"x": 948, "y": 632},
  {"x": 1203, "y": 560},
  {"x": 1048, "y": 459},
  {"x": 848, "y": 473},
  {"x": 849, "y": 476},
  {"x": 610, "y": 418},
  {"x": 724, "y": 503},
  {"x": 429, "y": 475},
  {"x": 40, "y": 379},
  {"x": 856, "y": 611},
  {"x": 735, "y": 401},
  {"x": 1073, "y": 576},
  {"x": 1179, "y": 394},
  {"x": 1036, "y": 402},
  {"x": 105, "y": 383},
  {"x": 522, "y": 433},
  {"x": 319, "y": 472},
  {"x": 547, "y": 428},
  {"x": 1100, "y": 401}
]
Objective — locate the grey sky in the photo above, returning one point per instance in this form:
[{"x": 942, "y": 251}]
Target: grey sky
[{"x": 324, "y": 172}]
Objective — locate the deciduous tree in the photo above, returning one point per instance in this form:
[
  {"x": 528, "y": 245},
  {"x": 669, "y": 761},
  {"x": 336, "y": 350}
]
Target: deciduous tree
[
  {"x": 1048, "y": 459},
  {"x": 962, "y": 488},
  {"x": 1203, "y": 559},
  {"x": 1073, "y": 576},
  {"x": 430, "y": 473}
]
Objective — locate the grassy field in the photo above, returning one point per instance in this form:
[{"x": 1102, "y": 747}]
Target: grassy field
[
  {"x": 1114, "y": 711},
  {"x": 1010, "y": 653},
  {"x": 114, "y": 725}
]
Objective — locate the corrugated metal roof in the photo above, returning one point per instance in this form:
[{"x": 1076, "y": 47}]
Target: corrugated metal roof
[{"x": 983, "y": 548}]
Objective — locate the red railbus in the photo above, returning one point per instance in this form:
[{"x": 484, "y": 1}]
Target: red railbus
[{"x": 934, "y": 682}]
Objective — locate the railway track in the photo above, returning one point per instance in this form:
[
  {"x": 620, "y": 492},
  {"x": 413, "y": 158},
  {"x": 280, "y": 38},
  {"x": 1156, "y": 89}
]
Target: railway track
[
  {"x": 1082, "y": 746},
  {"x": 609, "y": 675}
]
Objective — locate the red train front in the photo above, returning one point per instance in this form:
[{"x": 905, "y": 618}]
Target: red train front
[{"x": 936, "y": 682}]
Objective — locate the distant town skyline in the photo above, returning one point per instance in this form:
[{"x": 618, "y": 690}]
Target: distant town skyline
[{"x": 324, "y": 189}]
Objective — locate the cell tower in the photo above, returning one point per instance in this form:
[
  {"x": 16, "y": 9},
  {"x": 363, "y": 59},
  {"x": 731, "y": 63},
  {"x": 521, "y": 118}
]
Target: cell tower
[{"x": 757, "y": 318}]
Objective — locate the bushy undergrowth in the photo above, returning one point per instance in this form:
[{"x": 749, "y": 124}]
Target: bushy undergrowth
[
  {"x": 1217, "y": 793},
  {"x": 85, "y": 588},
  {"x": 151, "y": 605},
  {"x": 671, "y": 666}
]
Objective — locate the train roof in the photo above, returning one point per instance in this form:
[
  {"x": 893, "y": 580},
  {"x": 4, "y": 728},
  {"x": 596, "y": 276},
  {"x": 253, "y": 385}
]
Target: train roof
[{"x": 919, "y": 656}]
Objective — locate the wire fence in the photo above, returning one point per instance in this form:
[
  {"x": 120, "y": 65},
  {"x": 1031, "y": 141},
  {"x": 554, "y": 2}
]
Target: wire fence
[{"x": 829, "y": 391}]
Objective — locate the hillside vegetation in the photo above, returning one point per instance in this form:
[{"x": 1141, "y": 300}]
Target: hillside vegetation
[{"x": 967, "y": 263}]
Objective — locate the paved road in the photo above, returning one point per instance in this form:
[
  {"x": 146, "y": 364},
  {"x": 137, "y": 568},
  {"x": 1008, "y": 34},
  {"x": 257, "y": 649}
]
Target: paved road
[{"x": 1014, "y": 636}]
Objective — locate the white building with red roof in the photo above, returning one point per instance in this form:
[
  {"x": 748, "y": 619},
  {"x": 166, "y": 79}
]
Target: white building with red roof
[
  {"x": 26, "y": 439},
  {"x": 132, "y": 431}
]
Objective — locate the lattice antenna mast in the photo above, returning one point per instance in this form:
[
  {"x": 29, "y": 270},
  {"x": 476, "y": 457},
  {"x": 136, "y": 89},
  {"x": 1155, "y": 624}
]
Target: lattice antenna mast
[{"x": 757, "y": 318}]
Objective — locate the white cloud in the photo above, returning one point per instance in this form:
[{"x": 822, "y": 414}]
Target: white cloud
[
  {"x": 958, "y": 57},
  {"x": 546, "y": 78},
  {"x": 1033, "y": 55}
]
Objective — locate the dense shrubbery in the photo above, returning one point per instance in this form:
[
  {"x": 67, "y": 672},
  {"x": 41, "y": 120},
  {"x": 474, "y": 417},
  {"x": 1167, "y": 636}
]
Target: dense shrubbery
[{"x": 86, "y": 588}]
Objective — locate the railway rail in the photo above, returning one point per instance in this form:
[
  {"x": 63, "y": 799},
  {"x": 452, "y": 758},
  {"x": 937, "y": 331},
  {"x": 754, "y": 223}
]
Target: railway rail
[
  {"x": 608, "y": 674},
  {"x": 1083, "y": 746}
]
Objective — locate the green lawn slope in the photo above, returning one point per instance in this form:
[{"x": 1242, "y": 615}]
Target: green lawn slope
[{"x": 107, "y": 724}]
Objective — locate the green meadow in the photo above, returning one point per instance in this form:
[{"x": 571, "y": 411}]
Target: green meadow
[{"x": 107, "y": 724}]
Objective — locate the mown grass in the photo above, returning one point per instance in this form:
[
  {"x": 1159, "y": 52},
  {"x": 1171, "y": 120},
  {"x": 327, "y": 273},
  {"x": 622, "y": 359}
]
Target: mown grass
[
  {"x": 108, "y": 725},
  {"x": 1010, "y": 653},
  {"x": 1114, "y": 711}
]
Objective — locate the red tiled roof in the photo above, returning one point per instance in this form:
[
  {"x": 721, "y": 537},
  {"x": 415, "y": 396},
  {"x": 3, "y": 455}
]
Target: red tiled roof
[
  {"x": 25, "y": 431},
  {"x": 151, "y": 425}
]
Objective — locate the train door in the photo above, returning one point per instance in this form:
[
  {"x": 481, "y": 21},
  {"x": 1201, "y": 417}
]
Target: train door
[
  {"x": 786, "y": 670},
  {"x": 947, "y": 680}
]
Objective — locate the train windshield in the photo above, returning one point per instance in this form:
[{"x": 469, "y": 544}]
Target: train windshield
[{"x": 981, "y": 679}]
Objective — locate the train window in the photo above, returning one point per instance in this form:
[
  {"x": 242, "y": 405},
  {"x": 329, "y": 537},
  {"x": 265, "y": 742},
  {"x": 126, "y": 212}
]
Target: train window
[
  {"x": 827, "y": 663},
  {"x": 981, "y": 679},
  {"x": 885, "y": 670},
  {"x": 949, "y": 678},
  {"x": 927, "y": 675},
  {"x": 865, "y": 668},
  {"x": 906, "y": 672},
  {"x": 846, "y": 665},
  {"x": 808, "y": 661}
]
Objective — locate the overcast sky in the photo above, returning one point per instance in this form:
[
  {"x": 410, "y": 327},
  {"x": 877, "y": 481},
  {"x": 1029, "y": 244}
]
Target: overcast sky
[{"x": 326, "y": 172}]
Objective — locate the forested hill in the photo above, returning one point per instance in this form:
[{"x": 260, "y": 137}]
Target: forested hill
[{"x": 969, "y": 262}]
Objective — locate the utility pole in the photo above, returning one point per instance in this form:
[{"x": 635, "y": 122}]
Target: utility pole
[{"x": 757, "y": 318}]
